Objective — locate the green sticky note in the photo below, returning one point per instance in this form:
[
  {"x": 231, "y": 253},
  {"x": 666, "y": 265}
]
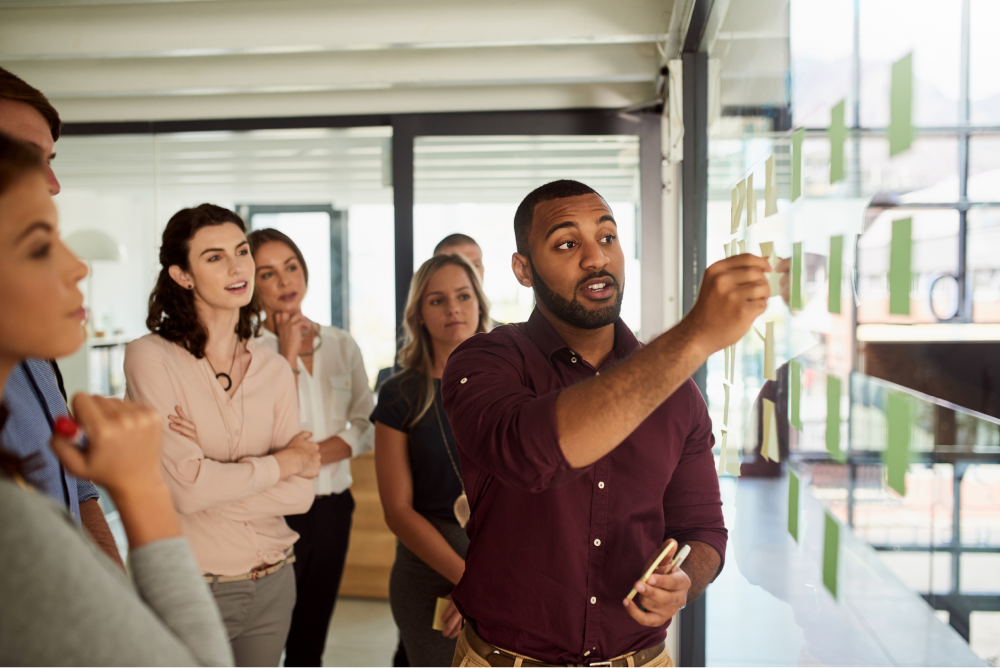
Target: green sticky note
[
  {"x": 794, "y": 393},
  {"x": 899, "y": 266},
  {"x": 795, "y": 299},
  {"x": 797, "y": 138},
  {"x": 836, "y": 264},
  {"x": 897, "y": 453},
  {"x": 833, "y": 418},
  {"x": 838, "y": 135},
  {"x": 793, "y": 505},
  {"x": 901, "y": 105},
  {"x": 831, "y": 548}
]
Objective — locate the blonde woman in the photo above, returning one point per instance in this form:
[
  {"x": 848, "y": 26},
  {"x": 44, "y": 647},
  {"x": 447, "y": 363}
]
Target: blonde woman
[{"x": 419, "y": 478}]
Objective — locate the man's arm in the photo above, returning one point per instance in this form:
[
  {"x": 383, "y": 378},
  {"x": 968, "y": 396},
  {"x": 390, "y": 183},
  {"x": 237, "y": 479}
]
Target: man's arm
[
  {"x": 595, "y": 416},
  {"x": 701, "y": 566},
  {"x": 92, "y": 518}
]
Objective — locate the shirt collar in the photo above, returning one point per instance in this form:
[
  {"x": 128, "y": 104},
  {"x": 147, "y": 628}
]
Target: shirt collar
[{"x": 544, "y": 335}]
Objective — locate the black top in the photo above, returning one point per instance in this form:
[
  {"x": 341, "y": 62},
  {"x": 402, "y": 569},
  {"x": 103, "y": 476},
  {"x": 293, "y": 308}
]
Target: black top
[{"x": 435, "y": 485}]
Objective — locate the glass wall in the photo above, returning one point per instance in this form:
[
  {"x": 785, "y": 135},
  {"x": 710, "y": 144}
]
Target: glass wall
[{"x": 473, "y": 185}]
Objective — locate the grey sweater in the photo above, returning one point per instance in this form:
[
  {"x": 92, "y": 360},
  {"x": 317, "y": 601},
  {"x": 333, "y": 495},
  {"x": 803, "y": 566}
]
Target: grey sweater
[{"x": 62, "y": 602}]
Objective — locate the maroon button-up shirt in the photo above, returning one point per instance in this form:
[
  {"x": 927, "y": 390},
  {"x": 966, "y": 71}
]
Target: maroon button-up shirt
[{"x": 554, "y": 550}]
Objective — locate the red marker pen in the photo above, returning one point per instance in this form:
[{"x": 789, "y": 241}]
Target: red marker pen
[{"x": 70, "y": 430}]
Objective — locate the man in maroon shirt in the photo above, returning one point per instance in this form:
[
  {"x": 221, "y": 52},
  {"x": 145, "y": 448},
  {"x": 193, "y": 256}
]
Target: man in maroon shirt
[{"x": 583, "y": 453}]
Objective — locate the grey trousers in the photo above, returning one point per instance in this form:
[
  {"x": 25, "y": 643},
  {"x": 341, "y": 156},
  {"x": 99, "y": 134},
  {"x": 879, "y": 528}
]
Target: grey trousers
[
  {"x": 414, "y": 588},
  {"x": 257, "y": 614}
]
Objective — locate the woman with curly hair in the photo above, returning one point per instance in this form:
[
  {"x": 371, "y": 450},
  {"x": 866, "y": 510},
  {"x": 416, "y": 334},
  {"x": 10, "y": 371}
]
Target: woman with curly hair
[{"x": 234, "y": 457}]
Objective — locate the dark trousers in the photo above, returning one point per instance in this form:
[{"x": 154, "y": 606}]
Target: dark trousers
[{"x": 324, "y": 532}]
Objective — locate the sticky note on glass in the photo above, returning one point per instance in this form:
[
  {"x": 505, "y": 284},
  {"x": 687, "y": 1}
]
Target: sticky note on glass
[
  {"x": 741, "y": 245},
  {"x": 794, "y": 393},
  {"x": 838, "y": 135},
  {"x": 897, "y": 452},
  {"x": 734, "y": 247},
  {"x": 769, "y": 351},
  {"x": 439, "y": 608},
  {"x": 733, "y": 459},
  {"x": 770, "y": 188},
  {"x": 797, "y": 138},
  {"x": 831, "y": 550},
  {"x": 751, "y": 202},
  {"x": 727, "y": 249},
  {"x": 739, "y": 201},
  {"x": 901, "y": 105},
  {"x": 795, "y": 297},
  {"x": 833, "y": 388},
  {"x": 725, "y": 407},
  {"x": 793, "y": 504},
  {"x": 769, "y": 445},
  {"x": 732, "y": 363},
  {"x": 836, "y": 265},
  {"x": 899, "y": 266},
  {"x": 722, "y": 453},
  {"x": 725, "y": 363}
]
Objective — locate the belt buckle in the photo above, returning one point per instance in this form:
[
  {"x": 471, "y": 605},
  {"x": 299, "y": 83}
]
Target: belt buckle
[{"x": 602, "y": 663}]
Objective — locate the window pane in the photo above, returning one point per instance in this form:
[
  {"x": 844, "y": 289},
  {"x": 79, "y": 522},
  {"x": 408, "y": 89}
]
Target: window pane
[
  {"x": 822, "y": 43},
  {"x": 984, "y": 263},
  {"x": 984, "y": 168},
  {"x": 935, "y": 252},
  {"x": 932, "y": 31},
  {"x": 472, "y": 185},
  {"x": 984, "y": 77},
  {"x": 928, "y": 172}
]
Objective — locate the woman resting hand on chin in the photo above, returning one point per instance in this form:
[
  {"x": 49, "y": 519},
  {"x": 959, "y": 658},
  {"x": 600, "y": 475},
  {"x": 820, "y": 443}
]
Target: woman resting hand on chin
[
  {"x": 334, "y": 403},
  {"x": 64, "y": 601},
  {"x": 419, "y": 479},
  {"x": 235, "y": 458}
]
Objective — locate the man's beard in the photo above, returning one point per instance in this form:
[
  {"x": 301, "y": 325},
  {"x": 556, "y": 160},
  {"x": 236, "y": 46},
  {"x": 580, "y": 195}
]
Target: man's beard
[{"x": 573, "y": 312}]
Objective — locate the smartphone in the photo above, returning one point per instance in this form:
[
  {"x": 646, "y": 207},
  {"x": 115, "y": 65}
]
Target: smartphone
[{"x": 674, "y": 564}]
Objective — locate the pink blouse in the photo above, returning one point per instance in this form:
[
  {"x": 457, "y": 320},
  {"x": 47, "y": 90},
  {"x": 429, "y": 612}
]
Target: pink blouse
[{"x": 226, "y": 488}]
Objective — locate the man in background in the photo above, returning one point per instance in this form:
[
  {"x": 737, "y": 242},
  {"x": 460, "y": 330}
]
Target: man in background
[{"x": 33, "y": 393}]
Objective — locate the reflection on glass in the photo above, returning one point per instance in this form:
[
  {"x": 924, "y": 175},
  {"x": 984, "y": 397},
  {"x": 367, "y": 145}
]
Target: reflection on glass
[{"x": 984, "y": 263}]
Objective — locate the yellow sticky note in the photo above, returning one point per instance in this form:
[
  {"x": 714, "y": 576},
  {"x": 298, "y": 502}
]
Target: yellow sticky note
[
  {"x": 725, "y": 367},
  {"x": 725, "y": 407},
  {"x": 722, "y": 453},
  {"x": 726, "y": 249},
  {"x": 739, "y": 198},
  {"x": 769, "y": 351},
  {"x": 732, "y": 363},
  {"x": 751, "y": 202},
  {"x": 769, "y": 444},
  {"x": 770, "y": 188},
  {"x": 767, "y": 250},
  {"x": 734, "y": 247},
  {"x": 732, "y": 459},
  {"x": 742, "y": 246},
  {"x": 439, "y": 608}
]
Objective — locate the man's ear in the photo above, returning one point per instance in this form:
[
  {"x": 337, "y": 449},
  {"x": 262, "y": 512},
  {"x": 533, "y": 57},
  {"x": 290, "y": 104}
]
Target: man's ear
[
  {"x": 522, "y": 269},
  {"x": 181, "y": 277}
]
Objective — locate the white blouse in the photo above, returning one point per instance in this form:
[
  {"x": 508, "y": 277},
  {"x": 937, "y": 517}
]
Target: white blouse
[{"x": 334, "y": 401}]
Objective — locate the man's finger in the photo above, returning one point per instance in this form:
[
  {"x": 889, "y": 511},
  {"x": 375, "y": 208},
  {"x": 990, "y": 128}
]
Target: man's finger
[{"x": 644, "y": 618}]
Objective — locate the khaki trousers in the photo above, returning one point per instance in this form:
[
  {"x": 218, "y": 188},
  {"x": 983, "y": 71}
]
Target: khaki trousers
[{"x": 464, "y": 656}]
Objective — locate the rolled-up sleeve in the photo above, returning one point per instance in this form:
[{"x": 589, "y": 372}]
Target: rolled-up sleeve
[
  {"x": 692, "y": 504},
  {"x": 499, "y": 422}
]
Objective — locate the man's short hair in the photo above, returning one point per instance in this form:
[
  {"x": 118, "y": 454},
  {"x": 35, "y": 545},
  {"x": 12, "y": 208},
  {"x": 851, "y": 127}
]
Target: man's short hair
[
  {"x": 13, "y": 87},
  {"x": 526, "y": 209},
  {"x": 456, "y": 239}
]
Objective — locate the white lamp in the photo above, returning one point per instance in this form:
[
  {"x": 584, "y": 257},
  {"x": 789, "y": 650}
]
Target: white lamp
[{"x": 92, "y": 246}]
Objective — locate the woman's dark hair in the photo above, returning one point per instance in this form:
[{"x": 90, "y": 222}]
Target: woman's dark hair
[
  {"x": 13, "y": 87},
  {"x": 17, "y": 160},
  {"x": 172, "y": 313}
]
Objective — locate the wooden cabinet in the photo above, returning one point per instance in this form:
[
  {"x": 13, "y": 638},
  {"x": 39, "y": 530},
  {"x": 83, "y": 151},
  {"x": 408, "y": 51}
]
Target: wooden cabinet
[{"x": 373, "y": 545}]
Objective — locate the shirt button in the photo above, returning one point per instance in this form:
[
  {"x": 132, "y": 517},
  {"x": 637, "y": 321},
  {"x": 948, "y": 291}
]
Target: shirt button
[
  {"x": 593, "y": 600},
  {"x": 463, "y": 381},
  {"x": 600, "y": 485},
  {"x": 597, "y": 542},
  {"x": 573, "y": 360},
  {"x": 587, "y": 653}
]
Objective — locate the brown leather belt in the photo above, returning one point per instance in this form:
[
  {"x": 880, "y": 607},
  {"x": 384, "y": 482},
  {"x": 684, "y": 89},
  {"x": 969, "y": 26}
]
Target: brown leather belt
[
  {"x": 255, "y": 574},
  {"x": 501, "y": 657}
]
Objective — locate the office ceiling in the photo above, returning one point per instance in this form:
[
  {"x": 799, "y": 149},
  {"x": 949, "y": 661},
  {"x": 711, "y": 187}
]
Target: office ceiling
[{"x": 116, "y": 60}]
